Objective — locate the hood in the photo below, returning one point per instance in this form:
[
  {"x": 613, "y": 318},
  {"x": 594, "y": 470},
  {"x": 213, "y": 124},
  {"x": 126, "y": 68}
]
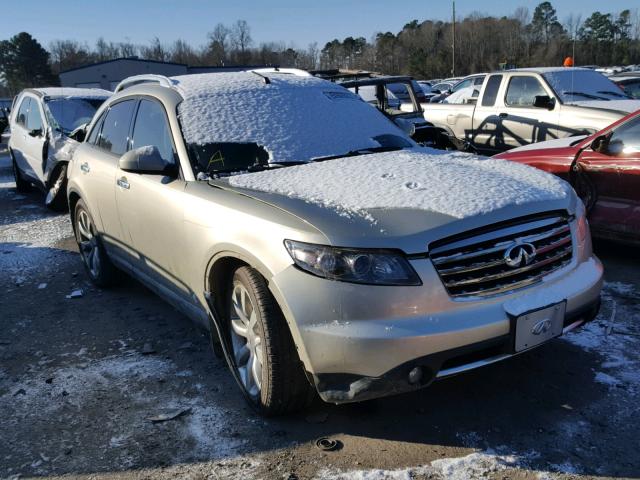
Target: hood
[
  {"x": 558, "y": 143},
  {"x": 405, "y": 199},
  {"x": 621, "y": 106}
]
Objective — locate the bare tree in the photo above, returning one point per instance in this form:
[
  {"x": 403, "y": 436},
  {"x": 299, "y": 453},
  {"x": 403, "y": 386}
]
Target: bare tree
[
  {"x": 218, "y": 44},
  {"x": 156, "y": 51},
  {"x": 241, "y": 39}
]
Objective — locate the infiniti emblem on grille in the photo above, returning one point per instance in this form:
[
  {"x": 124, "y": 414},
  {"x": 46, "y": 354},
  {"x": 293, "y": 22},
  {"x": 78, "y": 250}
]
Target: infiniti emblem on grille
[
  {"x": 519, "y": 255},
  {"x": 541, "y": 327}
]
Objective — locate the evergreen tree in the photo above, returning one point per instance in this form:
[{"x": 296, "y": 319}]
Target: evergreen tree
[{"x": 24, "y": 63}]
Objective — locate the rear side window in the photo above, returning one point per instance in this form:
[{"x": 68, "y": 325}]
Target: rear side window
[
  {"x": 34, "y": 119},
  {"x": 23, "y": 112},
  {"x": 152, "y": 129},
  {"x": 491, "y": 91},
  {"x": 115, "y": 129},
  {"x": 522, "y": 91}
]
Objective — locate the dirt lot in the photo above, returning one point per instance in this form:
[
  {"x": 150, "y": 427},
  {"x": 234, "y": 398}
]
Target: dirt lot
[{"x": 81, "y": 377}]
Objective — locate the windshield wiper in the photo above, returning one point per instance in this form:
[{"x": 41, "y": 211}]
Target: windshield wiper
[
  {"x": 615, "y": 94},
  {"x": 360, "y": 151},
  {"x": 586, "y": 95}
]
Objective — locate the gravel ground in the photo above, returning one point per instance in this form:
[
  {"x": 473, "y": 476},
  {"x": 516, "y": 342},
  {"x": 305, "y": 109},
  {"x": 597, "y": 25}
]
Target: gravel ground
[{"x": 82, "y": 378}]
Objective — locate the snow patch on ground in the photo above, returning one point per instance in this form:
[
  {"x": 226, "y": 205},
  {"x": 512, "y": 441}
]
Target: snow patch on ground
[
  {"x": 615, "y": 335},
  {"x": 28, "y": 239},
  {"x": 134, "y": 381},
  {"x": 422, "y": 179}
]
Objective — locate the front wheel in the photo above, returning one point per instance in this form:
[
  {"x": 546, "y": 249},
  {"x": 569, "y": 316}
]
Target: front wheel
[
  {"x": 95, "y": 259},
  {"x": 263, "y": 355}
]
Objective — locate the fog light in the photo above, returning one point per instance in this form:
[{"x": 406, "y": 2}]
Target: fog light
[{"x": 415, "y": 375}]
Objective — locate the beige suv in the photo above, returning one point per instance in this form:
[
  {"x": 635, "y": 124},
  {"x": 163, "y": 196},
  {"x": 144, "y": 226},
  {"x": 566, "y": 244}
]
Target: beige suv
[{"x": 325, "y": 249}]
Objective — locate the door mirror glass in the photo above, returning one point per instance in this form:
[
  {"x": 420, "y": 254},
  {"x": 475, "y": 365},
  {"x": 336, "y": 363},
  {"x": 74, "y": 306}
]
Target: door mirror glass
[
  {"x": 544, "y": 101},
  {"x": 36, "y": 132},
  {"x": 146, "y": 160},
  {"x": 79, "y": 133}
]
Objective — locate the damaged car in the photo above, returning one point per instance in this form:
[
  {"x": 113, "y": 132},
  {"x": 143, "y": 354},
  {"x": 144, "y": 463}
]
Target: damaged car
[
  {"x": 46, "y": 125},
  {"x": 604, "y": 168},
  {"x": 325, "y": 250}
]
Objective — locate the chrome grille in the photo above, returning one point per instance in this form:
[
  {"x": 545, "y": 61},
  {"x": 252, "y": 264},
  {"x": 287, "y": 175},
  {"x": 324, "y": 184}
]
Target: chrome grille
[{"x": 475, "y": 264}]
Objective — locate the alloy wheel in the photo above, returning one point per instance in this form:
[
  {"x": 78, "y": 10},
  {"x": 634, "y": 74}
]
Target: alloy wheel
[
  {"x": 246, "y": 340},
  {"x": 88, "y": 243}
]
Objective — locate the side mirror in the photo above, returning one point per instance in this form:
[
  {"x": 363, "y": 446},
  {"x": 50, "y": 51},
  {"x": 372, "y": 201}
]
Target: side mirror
[
  {"x": 146, "y": 160},
  {"x": 36, "y": 132},
  {"x": 600, "y": 144},
  {"x": 544, "y": 101},
  {"x": 79, "y": 133},
  {"x": 436, "y": 91}
]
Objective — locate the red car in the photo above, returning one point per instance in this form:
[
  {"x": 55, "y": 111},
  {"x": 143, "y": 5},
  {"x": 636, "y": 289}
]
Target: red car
[{"x": 604, "y": 168}]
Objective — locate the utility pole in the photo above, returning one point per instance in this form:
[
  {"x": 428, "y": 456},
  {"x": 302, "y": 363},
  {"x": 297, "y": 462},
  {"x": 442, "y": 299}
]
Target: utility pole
[{"x": 453, "y": 46}]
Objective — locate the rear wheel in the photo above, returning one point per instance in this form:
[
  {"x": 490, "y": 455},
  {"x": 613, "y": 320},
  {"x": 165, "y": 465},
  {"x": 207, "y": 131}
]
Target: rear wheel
[
  {"x": 264, "y": 357},
  {"x": 57, "y": 194},
  {"x": 22, "y": 185},
  {"x": 96, "y": 262}
]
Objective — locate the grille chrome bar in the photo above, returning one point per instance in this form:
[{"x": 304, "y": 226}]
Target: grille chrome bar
[
  {"x": 510, "y": 273},
  {"x": 476, "y": 265},
  {"x": 499, "y": 246}
]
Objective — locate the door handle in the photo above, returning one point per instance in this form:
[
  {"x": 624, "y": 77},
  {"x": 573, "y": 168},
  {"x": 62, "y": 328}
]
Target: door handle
[
  {"x": 85, "y": 167},
  {"x": 503, "y": 115},
  {"x": 123, "y": 183}
]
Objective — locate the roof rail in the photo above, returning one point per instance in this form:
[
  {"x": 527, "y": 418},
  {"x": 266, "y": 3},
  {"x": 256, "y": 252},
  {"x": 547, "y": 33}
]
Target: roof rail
[
  {"x": 290, "y": 71},
  {"x": 148, "y": 78}
]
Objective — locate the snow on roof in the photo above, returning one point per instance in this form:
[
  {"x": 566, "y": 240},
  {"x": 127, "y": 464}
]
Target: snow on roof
[
  {"x": 295, "y": 118},
  {"x": 454, "y": 184},
  {"x": 71, "y": 92}
]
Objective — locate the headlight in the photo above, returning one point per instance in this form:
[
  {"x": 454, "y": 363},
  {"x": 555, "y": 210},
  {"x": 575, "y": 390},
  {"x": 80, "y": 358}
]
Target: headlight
[
  {"x": 582, "y": 223},
  {"x": 377, "y": 267}
]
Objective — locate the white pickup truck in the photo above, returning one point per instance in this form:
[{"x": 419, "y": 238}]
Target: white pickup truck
[{"x": 522, "y": 106}]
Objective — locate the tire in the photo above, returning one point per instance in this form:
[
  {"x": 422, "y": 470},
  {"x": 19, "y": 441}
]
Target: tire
[
  {"x": 56, "y": 198},
  {"x": 22, "y": 186},
  {"x": 96, "y": 262},
  {"x": 275, "y": 383}
]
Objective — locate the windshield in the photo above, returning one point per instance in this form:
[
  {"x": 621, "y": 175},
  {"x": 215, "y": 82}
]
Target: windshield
[
  {"x": 67, "y": 114},
  {"x": 582, "y": 85},
  {"x": 294, "y": 119}
]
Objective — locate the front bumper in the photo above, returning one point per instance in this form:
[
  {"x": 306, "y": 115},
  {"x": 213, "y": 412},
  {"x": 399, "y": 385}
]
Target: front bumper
[{"x": 359, "y": 342}]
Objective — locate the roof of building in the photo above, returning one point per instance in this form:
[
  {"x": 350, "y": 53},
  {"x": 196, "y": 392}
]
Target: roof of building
[{"x": 133, "y": 59}]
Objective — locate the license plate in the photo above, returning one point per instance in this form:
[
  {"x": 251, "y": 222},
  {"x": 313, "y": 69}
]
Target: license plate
[{"x": 539, "y": 326}]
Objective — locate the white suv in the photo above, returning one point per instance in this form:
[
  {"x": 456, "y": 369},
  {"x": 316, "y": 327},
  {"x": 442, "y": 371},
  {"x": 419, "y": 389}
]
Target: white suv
[{"x": 43, "y": 124}]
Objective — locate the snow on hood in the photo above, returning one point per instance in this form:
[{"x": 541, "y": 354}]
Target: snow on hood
[
  {"x": 458, "y": 185},
  {"x": 619, "y": 105},
  {"x": 70, "y": 92},
  {"x": 294, "y": 118},
  {"x": 555, "y": 143}
]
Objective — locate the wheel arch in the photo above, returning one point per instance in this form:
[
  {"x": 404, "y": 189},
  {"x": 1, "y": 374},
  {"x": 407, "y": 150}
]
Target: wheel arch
[{"x": 219, "y": 269}]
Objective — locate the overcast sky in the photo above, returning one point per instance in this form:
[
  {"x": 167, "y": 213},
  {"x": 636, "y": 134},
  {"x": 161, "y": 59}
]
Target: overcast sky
[{"x": 295, "y": 22}]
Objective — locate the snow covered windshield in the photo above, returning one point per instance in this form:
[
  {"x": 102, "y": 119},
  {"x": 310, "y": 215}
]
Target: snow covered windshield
[
  {"x": 67, "y": 114},
  {"x": 582, "y": 85},
  {"x": 294, "y": 118}
]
